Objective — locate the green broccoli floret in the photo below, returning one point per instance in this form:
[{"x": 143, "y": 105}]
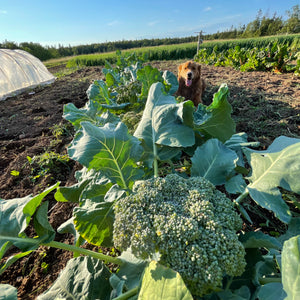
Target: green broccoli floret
[{"x": 189, "y": 222}]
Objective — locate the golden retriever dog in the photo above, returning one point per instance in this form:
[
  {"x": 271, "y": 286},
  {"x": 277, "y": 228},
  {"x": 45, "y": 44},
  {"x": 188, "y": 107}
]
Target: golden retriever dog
[{"x": 191, "y": 85}]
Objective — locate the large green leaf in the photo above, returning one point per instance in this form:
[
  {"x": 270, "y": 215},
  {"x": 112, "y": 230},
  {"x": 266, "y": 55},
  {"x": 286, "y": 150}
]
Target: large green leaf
[
  {"x": 92, "y": 112},
  {"x": 131, "y": 269},
  {"x": 165, "y": 123},
  {"x": 291, "y": 268},
  {"x": 278, "y": 166},
  {"x": 77, "y": 193},
  {"x": 15, "y": 214},
  {"x": 293, "y": 230},
  {"x": 94, "y": 221},
  {"x": 8, "y": 292},
  {"x": 83, "y": 278},
  {"x": 148, "y": 75},
  {"x": 41, "y": 224},
  {"x": 110, "y": 149},
  {"x": 160, "y": 283},
  {"x": 215, "y": 120},
  {"x": 257, "y": 239},
  {"x": 12, "y": 259},
  {"x": 271, "y": 291},
  {"x": 171, "y": 80},
  {"x": 213, "y": 161},
  {"x": 98, "y": 91}
]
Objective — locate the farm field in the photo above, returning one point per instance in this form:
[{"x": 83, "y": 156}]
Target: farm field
[{"x": 265, "y": 106}]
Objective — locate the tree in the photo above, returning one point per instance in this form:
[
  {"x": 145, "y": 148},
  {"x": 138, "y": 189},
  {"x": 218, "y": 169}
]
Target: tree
[{"x": 292, "y": 25}]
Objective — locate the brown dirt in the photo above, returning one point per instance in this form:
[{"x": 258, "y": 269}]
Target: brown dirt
[{"x": 265, "y": 105}]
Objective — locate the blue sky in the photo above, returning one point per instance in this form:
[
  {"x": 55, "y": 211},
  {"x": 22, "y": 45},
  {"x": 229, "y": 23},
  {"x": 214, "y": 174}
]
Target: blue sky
[{"x": 77, "y": 22}]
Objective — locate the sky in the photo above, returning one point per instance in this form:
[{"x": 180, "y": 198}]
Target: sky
[{"x": 66, "y": 22}]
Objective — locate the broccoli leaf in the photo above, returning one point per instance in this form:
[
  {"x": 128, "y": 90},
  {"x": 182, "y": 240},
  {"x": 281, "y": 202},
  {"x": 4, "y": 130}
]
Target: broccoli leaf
[
  {"x": 110, "y": 149},
  {"x": 83, "y": 278},
  {"x": 291, "y": 267},
  {"x": 94, "y": 218},
  {"x": 257, "y": 239},
  {"x": 92, "y": 112},
  {"x": 8, "y": 292},
  {"x": 164, "y": 283},
  {"x": 148, "y": 75},
  {"x": 271, "y": 291},
  {"x": 236, "y": 184},
  {"x": 215, "y": 120},
  {"x": 15, "y": 214},
  {"x": 131, "y": 270},
  {"x": 213, "y": 161},
  {"x": 278, "y": 166},
  {"x": 165, "y": 123},
  {"x": 170, "y": 80},
  {"x": 98, "y": 91},
  {"x": 94, "y": 222}
]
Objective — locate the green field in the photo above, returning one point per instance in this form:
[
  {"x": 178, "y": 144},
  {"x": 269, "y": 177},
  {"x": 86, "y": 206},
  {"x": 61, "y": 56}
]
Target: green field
[{"x": 172, "y": 52}]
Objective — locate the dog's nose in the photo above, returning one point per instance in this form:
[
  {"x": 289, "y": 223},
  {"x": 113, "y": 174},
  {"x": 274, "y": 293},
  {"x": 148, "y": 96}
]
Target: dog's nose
[{"x": 189, "y": 75}]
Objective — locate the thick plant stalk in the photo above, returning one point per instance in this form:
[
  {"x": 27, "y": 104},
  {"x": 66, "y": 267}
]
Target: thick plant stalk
[
  {"x": 63, "y": 246},
  {"x": 128, "y": 294}
]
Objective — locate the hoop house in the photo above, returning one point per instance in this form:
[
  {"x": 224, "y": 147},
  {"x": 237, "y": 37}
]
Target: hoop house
[{"x": 20, "y": 71}]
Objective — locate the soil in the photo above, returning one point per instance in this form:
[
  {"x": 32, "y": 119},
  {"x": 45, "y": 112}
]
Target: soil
[{"x": 265, "y": 106}]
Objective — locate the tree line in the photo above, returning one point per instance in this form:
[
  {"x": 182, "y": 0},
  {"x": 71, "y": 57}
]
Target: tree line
[{"x": 263, "y": 25}]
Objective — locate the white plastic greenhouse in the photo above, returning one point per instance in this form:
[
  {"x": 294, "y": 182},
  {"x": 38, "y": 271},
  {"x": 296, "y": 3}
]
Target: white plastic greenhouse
[{"x": 20, "y": 71}]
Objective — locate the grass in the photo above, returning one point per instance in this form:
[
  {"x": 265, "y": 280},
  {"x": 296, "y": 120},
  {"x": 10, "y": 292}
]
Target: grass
[{"x": 165, "y": 52}]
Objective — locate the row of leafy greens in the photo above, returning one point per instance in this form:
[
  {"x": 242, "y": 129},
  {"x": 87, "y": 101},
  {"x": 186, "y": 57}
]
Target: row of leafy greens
[{"x": 194, "y": 143}]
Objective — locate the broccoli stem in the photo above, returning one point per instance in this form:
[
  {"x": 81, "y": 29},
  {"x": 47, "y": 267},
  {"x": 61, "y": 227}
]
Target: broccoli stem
[
  {"x": 240, "y": 198},
  {"x": 63, "y": 246},
  {"x": 265, "y": 280},
  {"x": 128, "y": 294},
  {"x": 155, "y": 162}
]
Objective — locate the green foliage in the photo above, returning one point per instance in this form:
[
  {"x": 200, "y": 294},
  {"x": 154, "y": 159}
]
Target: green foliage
[
  {"x": 251, "y": 55},
  {"x": 8, "y": 292},
  {"x": 290, "y": 269},
  {"x": 168, "y": 282},
  {"x": 72, "y": 281},
  {"x": 274, "y": 170},
  {"x": 48, "y": 163},
  {"x": 170, "y": 52},
  {"x": 110, "y": 149},
  {"x": 165, "y": 125},
  {"x": 167, "y": 135},
  {"x": 215, "y": 120}
]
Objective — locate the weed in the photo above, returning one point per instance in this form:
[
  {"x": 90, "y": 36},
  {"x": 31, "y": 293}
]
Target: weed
[{"x": 46, "y": 163}]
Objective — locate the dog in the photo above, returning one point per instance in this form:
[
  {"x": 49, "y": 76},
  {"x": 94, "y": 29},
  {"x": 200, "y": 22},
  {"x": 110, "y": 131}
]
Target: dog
[{"x": 191, "y": 84}]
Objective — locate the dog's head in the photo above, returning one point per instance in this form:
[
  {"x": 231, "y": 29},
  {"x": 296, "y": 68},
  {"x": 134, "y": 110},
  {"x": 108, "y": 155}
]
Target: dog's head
[{"x": 189, "y": 71}]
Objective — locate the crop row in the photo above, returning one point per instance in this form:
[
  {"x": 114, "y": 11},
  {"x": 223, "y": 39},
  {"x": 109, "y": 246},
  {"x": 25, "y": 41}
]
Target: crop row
[
  {"x": 170, "y": 52},
  {"x": 276, "y": 56},
  {"x": 289, "y": 40},
  {"x": 182, "y": 51}
]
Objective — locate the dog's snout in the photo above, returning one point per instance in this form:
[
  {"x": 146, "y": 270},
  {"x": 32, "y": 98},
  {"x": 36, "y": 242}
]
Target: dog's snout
[{"x": 189, "y": 75}]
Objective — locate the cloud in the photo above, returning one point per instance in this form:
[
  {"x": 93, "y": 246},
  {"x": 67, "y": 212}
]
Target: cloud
[
  {"x": 153, "y": 23},
  {"x": 3, "y": 12},
  {"x": 207, "y": 8},
  {"x": 113, "y": 23}
]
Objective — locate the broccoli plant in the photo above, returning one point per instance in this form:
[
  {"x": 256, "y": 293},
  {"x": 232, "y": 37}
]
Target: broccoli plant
[
  {"x": 177, "y": 231},
  {"x": 188, "y": 223}
]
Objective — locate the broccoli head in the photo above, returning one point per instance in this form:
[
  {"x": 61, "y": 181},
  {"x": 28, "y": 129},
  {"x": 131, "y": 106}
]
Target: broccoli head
[{"x": 189, "y": 222}]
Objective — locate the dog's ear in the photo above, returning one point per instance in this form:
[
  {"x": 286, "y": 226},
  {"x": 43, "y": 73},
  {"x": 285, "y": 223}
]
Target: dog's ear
[
  {"x": 199, "y": 69},
  {"x": 179, "y": 71}
]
